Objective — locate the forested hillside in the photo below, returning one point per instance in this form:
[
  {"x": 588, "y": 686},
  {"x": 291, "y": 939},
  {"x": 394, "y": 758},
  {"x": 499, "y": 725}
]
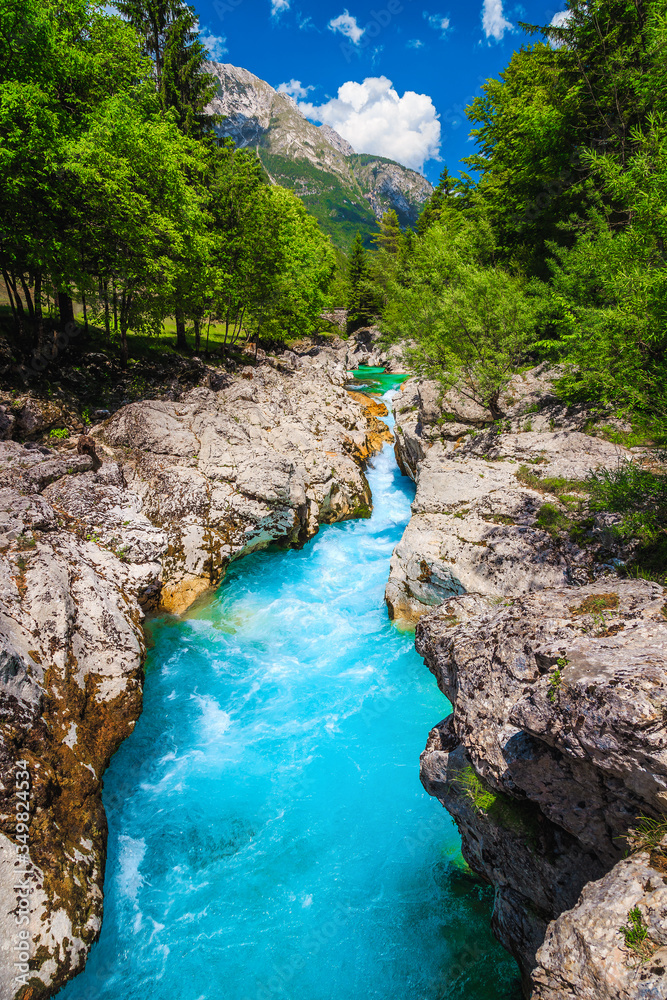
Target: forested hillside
[
  {"x": 117, "y": 193},
  {"x": 557, "y": 251}
]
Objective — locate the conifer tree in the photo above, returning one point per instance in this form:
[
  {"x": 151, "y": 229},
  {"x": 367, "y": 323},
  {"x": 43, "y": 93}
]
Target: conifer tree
[
  {"x": 437, "y": 201},
  {"x": 390, "y": 236},
  {"x": 361, "y": 310}
]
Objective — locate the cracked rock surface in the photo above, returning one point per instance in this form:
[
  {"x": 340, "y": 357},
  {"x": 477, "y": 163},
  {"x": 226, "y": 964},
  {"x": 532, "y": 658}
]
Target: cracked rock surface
[
  {"x": 474, "y": 525},
  {"x": 556, "y": 744}
]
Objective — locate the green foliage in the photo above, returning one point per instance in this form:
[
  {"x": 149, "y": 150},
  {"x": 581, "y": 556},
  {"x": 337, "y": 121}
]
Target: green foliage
[
  {"x": 640, "y": 494},
  {"x": 481, "y": 797},
  {"x": 390, "y": 237},
  {"x": 551, "y": 519},
  {"x": 555, "y": 685},
  {"x": 572, "y": 164},
  {"x": 635, "y": 935},
  {"x": 518, "y": 817},
  {"x": 556, "y": 485},
  {"x": 362, "y": 302},
  {"x": 59, "y": 433},
  {"x": 116, "y": 189},
  {"x": 471, "y": 322},
  {"x": 648, "y": 834}
]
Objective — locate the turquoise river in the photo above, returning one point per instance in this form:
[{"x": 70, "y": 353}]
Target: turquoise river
[{"x": 269, "y": 838}]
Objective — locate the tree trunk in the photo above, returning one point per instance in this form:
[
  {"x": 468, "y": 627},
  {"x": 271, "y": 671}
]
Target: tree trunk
[
  {"x": 494, "y": 400},
  {"x": 124, "y": 353},
  {"x": 107, "y": 327},
  {"x": 65, "y": 308},
  {"x": 12, "y": 303},
  {"x": 181, "y": 342},
  {"x": 39, "y": 316},
  {"x": 115, "y": 308},
  {"x": 125, "y": 306},
  {"x": 197, "y": 335},
  {"x": 85, "y": 312}
]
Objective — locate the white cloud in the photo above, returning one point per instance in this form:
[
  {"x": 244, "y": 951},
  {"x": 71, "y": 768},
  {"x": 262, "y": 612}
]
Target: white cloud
[
  {"x": 215, "y": 44},
  {"x": 294, "y": 89},
  {"x": 347, "y": 25},
  {"x": 438, "y": 22},
  {"x": 560, "y": 20},
  {"x": 374, "y": 119},
  {"x": 415, "y": 43},
  {"x": 494, "y": 22},
  {"x": 279, "y": 7}
]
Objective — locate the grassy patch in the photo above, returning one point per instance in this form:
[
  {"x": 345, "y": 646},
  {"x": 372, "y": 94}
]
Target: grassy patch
[
  {"x": 555, "y": 485},
  {"x": 649, "y": 833},
  {"x": 498, "y": 518},
  {"x": 635, "y": 934},
  {"x": 519, "y": 817},
  {"x": 596, "y": 603}
]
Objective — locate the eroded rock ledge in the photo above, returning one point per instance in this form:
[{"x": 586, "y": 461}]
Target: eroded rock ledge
[
  {"x": 186, "y": 486},
  {"x": 475, "y": 524},
  {"x": 557, "y": 743},
  {"x": 557, "y": 674}
]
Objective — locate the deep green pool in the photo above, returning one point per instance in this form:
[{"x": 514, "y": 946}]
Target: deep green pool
[{"x": 374, "y": 380}]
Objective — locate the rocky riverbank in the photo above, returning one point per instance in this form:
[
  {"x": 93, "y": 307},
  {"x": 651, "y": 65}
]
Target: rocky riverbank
[
  {"x": 185, "y": 486},
  {"x": 557, "y": 674}
]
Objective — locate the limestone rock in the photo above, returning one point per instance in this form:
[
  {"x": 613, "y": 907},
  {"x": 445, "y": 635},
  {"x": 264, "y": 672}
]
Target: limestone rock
[
  {"x": 557, "y": 738},
  {"x": 184, "y": 487},
  {"x": 475, "y": 525},
  {"x": 584, "y": 955}
]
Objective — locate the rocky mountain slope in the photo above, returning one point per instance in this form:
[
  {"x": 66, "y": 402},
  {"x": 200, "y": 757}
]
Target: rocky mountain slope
[
  {"x": 185, "y": 486},
  {"x": 553, "y": 762},
  {"x": 345, "y": 191}
]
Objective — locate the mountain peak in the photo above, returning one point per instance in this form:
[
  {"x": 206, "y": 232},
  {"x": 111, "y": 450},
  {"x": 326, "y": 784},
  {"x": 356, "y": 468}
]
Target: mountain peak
[{"x": 346, "y": 191}]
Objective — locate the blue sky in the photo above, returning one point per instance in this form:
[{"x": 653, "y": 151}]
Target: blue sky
[{"x": 406, "y": 68}]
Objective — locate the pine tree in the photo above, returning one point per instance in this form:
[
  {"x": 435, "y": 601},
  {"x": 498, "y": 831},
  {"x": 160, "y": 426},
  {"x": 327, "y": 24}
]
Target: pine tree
[
  {"x": 390, "y": 236},
  {"x": 434, "y": 206},
  {"x": 360, "y": 310}
]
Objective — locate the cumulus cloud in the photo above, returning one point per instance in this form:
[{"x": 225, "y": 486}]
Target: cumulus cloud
[
  {"x": 294, "y": 89},
  {"x": 494, "y": 22},
  {"x": 560, "y": 19},
  {"x": 279, "y": 7},
  {"x": 214, "y": 44},
  {"x": 374, "y": 119},
  {"x": 347, "y": 25},
  {"x": 438, "y": 23}
]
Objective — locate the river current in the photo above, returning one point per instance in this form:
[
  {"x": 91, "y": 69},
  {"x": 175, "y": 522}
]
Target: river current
[{"x": 269, "y": 838}]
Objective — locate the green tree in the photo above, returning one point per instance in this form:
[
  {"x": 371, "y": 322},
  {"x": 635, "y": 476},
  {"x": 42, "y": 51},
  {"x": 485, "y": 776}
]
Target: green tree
[
  {"x": 467, "y": 323},
  {"x": 390, "y": 236},
  {"x": 442, "y": 196},
  {"x": 362, "y": 302}
]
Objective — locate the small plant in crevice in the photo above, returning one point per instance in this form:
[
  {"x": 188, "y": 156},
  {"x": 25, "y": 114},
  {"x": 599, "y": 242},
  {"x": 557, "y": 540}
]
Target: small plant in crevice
[
  {"x": 59, "y": 433},
  {"x": 555, "y": 684},
  {"x": 481, "y": 797},
  {"x": 650, "y": 834},
  {"x": 595, "y": 604},
  {"x": 635, "y": 934}
]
